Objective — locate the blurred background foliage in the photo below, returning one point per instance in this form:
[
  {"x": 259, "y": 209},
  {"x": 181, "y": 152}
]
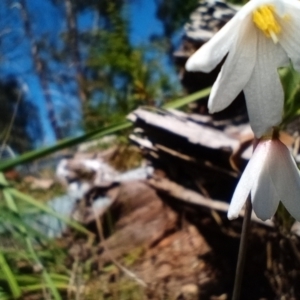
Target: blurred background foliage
[
  {"x": 120, "y": 76},
  {"x": 69, "y": 69},
  {"x": 80, "y": 66}
]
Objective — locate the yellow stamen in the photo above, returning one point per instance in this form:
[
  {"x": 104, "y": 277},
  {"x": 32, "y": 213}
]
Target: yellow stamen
[{"x": 264, "y": 19}]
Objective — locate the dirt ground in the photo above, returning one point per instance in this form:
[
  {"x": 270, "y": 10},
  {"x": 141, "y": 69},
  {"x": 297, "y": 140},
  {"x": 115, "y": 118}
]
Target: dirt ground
[{"x": 157, "y": 247}]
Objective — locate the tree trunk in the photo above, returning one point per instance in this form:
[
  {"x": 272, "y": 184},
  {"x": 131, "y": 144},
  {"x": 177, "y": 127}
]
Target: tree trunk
[
  {"x": 74, "y": 48},
  {"x": 39, "y": 68}
]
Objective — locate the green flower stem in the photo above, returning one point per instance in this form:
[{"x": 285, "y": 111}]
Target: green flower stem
[
  {"x": 244, "y": 241},
  {"x": 242, "y": 251}
]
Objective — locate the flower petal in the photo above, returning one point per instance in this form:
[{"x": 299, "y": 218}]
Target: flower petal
[
  {"x": 286, "y": 178},
  {"x": 264, "y": 196},
  {"x": 250, "y": 6},
  {"x": 288, "y": 38},
  {"x": 248, "y": 179},
  {"x": 236, "y": 70},
  {"x": 265, "y": 199},
  {"x": 264, "y": 93},
  {"x": 210, "y": 54}
]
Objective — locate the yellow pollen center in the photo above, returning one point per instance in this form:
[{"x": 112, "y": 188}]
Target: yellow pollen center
[{"x": 264, "y": 19}]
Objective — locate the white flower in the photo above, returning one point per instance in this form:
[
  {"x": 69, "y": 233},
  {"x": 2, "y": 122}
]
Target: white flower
[
  {"x": 261, "y": 37},
  {"x": 270, "y": 176}
]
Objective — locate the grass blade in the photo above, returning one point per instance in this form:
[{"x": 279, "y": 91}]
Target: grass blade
[
  {"x": 47, "y": 278},
  {"x": 35, "y": 154},
  {"x": 44, "y": 208},
  {"x": 188, "y": 99},
  {"x": 9, "y": 277}
]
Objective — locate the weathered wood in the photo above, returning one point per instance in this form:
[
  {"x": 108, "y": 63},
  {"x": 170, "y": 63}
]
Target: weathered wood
[
  {"x": 186, "y": 195},
  {"x": 193, "y": 132}
]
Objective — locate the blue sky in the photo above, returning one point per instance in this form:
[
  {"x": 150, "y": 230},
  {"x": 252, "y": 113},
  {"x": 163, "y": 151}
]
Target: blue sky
[{"x": 143, "y": 21}]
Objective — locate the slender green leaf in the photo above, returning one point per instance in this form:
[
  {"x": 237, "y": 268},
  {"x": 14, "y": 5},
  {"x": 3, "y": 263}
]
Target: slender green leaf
[
  {"x": 10, "y": 193},
  {"x": 46, "y": 209},
  {"x": 35, "y": 154},
  {"x": 4, "y": 296},
  {"x": 36, "y": 279},
  {"x": 38, "y": 287},
  {"x": 47, "y": 278},
  {"x": 32, "y": 155},
  {"x": 290, "y": 80},
  {"x": 9, "y": 277},
  {"x": 188, "y": 99},
  {"x": 9, "y": 196},
  {"x": 14, "y": 219}
]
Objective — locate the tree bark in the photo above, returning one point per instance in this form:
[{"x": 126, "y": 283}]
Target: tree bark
[
  {"x": 39, "y": 68},
  {"x": 74, "y": 48}
]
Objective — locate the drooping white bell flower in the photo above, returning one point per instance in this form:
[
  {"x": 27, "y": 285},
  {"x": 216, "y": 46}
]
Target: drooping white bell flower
[
  {"x": 270, "y": 176},
  {"x": 261, "y": 37}
]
